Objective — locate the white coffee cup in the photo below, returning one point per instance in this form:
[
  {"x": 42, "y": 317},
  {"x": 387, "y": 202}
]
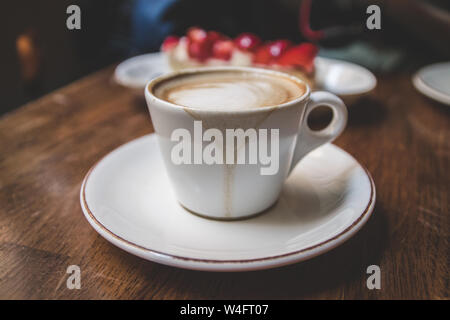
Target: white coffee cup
[{"x": 234, "y": 191}]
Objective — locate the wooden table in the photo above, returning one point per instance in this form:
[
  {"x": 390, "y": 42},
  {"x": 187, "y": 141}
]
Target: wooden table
[{"x": 48, "y": 146}]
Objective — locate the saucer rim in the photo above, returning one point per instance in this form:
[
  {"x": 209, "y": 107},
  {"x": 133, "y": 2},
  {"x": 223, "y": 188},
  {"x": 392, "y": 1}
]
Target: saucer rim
[
  {"x": 345, "y": 93},
  {"x": 121, "y": 68},
  {"x": 302, "y": 254},
  {"x": 424, "y": 88}
]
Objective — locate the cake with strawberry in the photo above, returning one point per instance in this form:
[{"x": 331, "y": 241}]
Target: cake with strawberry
[{"x": 210, "y": 48}]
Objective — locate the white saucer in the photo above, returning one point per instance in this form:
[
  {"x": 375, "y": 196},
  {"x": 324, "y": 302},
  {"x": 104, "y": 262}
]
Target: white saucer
[
  {"x": 345, "y": 79},
  {"x": 348, "y": 80},
  {"x": 434, "y": 82},
  {"x": 128, "y": 199},
  {"x": 136, "y": 72}
]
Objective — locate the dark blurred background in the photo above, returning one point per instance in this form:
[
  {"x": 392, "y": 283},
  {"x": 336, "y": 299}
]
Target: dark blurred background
[{"x": 39, "y": 54}]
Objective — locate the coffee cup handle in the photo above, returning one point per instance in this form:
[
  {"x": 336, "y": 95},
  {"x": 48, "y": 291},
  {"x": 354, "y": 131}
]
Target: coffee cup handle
[{"x": 307, "y": 139}]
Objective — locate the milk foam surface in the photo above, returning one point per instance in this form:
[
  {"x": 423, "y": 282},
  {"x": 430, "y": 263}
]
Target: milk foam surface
[{"x": 229, "y": 90}]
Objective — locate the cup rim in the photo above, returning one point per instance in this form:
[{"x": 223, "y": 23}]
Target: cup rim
[{"x": 152, "y": 83}]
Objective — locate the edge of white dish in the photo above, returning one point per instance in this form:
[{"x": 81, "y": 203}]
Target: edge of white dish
[{"x": 426, "y": 90}]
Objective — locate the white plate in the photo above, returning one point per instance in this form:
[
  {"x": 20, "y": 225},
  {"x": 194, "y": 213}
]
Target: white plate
[
  {"x": 434, "y": 82},
  {"x": 345, "y": 79},
  {"x": 136, "y": 72},
  {"x": 128, "y": 199},
  {"x": 348, "y": 80}
]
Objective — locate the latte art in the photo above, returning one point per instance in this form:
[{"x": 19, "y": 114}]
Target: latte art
[{"x": 229, "y": 90}]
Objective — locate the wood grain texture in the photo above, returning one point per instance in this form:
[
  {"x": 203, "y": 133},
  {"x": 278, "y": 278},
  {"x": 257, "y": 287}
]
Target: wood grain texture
[{"x": 47, "y": 146}]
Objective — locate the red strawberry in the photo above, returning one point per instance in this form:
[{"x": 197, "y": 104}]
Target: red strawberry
[
  {"x": 277, "y": 48},
  {"x": 199, "y": 51},
  {"x": 299, "y": 56},
  {"x": 262, "y": 55},
  {"x": 214, "y": 36},
  {"x": 247, "y": 41},
  {"x": 200, "y": 43},
  {"x": 222, "y": 49},
  {"x": 169, "y": 43},
  {"x": 196, "y": 34}
]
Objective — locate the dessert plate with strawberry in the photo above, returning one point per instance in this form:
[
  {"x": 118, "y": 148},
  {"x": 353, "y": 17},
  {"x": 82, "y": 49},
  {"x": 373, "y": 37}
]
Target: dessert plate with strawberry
[{"x": 200, "y": 48}]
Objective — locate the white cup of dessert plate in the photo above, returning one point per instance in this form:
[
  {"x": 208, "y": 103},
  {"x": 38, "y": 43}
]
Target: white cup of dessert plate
[{"x": 236, "y": 191}]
